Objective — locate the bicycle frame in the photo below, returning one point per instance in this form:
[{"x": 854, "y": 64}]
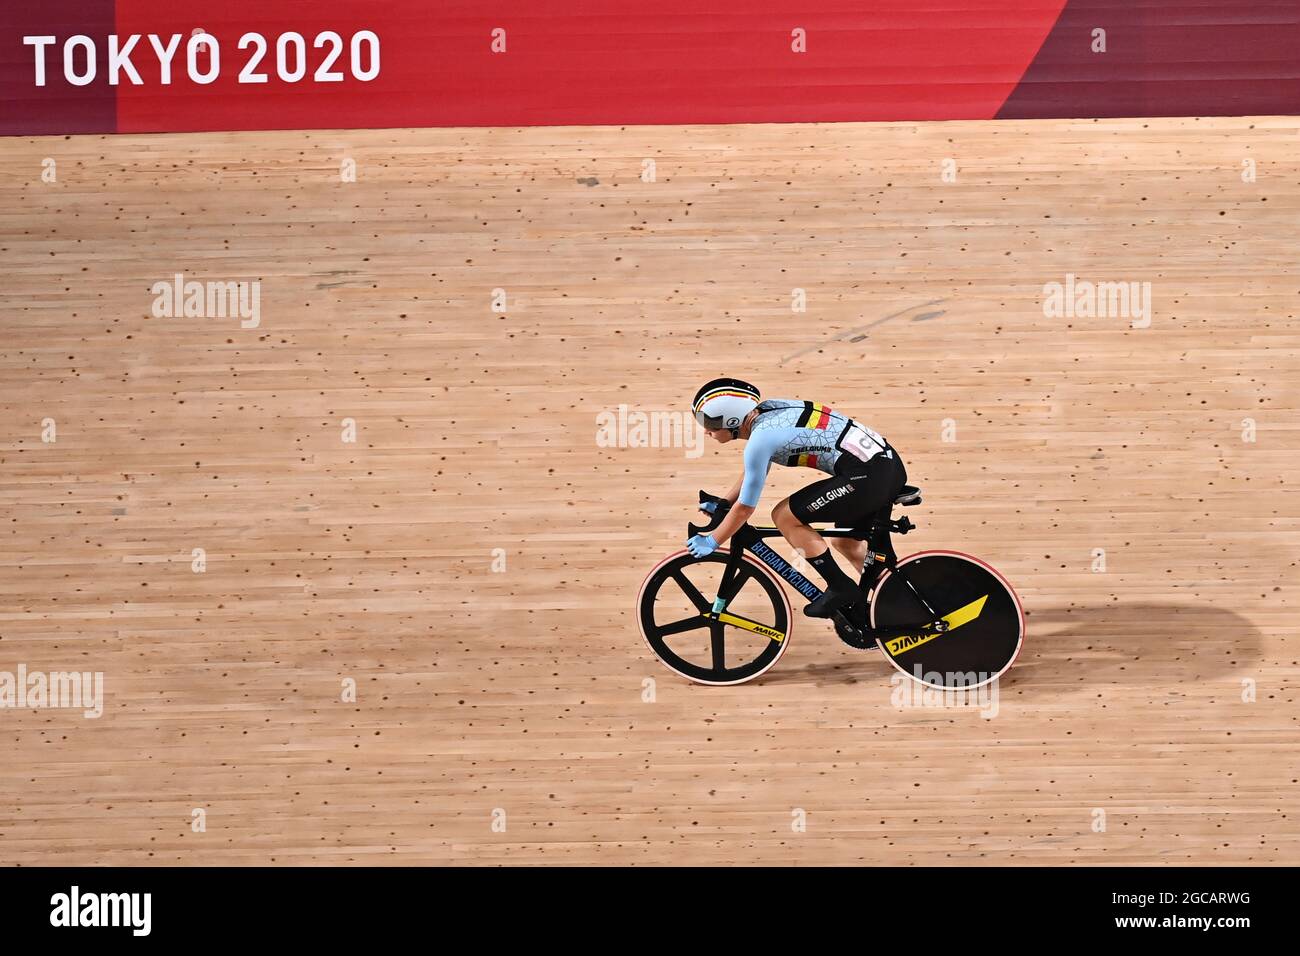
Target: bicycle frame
[{"x": 880, "y": 558}]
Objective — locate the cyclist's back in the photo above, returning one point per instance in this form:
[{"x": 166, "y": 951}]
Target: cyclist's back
[
  {"x": 796, "y": 433},
  {"x": 808, "y": 434}
]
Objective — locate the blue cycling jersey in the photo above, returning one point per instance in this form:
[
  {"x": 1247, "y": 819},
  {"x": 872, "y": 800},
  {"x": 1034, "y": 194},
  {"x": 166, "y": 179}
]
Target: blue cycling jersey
[{"x": 798, "y": 433}]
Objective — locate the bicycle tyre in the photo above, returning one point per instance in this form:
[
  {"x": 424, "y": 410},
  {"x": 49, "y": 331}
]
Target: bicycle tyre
[
  {"x": 652, "y": 630},
  {"x": 970, "y": 655}
]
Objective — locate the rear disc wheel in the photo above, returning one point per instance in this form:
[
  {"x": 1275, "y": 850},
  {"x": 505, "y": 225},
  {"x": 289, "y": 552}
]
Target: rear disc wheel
[{"x": 986, "y": 621}]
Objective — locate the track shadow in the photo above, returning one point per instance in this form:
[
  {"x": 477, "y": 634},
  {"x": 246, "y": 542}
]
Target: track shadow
[{"x": 1077, "y": 650}]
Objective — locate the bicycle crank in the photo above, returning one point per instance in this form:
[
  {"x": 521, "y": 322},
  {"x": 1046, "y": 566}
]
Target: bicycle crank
[{"x": 853, "y": 635}]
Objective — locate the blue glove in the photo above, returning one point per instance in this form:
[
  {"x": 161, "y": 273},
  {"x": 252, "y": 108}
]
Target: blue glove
[
  {"x": 702, "y": 545},
  {"x": 709, "y": 507}
]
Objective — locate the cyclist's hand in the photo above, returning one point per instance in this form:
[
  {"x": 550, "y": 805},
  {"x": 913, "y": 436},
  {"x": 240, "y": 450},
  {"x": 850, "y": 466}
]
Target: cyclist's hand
[
  {"x": 709, "y": 507},
  {"x": 702, "y": 545}
]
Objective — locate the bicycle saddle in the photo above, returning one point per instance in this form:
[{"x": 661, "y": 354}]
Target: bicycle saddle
[{"x": 908, "y": 495}]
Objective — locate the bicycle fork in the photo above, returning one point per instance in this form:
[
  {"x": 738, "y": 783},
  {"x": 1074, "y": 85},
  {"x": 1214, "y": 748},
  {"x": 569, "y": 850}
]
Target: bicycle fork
[{"x": 729, "y": 585}]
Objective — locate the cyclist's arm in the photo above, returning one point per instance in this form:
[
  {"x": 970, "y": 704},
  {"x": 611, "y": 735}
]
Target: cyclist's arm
[
  {"x": 736, "y": 517},
  {"x": 758, "y": 459}
]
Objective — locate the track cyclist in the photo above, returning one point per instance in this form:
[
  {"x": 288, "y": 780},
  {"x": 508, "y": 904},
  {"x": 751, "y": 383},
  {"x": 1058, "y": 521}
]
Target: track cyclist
[{"x": 866, "y": 473}]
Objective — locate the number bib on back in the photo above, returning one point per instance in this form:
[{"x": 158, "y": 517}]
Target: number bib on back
[{"x": 860, "y": 441}]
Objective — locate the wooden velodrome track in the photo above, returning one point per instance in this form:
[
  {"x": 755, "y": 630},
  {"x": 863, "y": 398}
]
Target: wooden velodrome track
[{"x": 524, "y": 691}]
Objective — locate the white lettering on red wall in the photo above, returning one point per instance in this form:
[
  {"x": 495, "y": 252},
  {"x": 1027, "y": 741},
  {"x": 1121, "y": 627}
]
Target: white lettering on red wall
[{"x": 327, "y": 58}]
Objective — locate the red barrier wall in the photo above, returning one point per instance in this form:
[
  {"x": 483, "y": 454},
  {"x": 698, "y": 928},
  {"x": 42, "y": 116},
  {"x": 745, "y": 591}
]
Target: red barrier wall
[{"x": 625, "y": 62}]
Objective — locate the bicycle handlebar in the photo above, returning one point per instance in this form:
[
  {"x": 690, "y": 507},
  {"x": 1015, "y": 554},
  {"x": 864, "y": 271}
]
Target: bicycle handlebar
[{"x": 716, "y": 518}]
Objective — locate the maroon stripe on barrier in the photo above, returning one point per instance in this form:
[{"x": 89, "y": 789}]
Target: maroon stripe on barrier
[
  {"x": 58, "y": 106},
  {"x": 1165, "y": 58}
]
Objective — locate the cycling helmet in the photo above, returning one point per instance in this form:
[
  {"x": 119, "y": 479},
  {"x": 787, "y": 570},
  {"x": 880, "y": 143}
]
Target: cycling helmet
[{"x": 724, "y": 403}]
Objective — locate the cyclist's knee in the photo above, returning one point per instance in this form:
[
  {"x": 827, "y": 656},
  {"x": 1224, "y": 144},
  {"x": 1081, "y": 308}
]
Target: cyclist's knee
[{"x": 781, "y": 514}]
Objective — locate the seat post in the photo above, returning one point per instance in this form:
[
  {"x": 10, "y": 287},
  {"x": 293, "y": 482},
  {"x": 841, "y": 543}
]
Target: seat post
[{"x": 879, "y": 542}]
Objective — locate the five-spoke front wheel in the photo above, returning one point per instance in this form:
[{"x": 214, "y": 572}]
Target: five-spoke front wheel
[{"x": 675, "y": 607}]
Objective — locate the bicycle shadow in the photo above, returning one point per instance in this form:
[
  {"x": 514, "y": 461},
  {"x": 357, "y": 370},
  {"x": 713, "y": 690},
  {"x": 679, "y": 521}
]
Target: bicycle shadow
[{"x": 1079, "y": 649}]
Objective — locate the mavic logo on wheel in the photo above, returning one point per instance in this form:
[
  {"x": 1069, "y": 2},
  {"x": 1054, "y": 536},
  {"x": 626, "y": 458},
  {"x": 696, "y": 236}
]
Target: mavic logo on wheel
[
  {"x": 898, "y": 645},
  {"x": 747, "y": 624},
  {"x": 963, "y": 615}
]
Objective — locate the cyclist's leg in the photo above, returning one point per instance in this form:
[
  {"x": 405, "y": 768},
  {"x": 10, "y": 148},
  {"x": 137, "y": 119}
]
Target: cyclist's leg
[
  {"x": 878, "y": 483},
  {"x": 848, "y": 499},
  {"x": 875, "y": 485},
  {"x": 819, "y": 501},
  {"x": 840, "y": 588},
  {"x": 853, "y": 550},
  {"x": 802, "y": 537},
  {"x": 851, "y": 499}
]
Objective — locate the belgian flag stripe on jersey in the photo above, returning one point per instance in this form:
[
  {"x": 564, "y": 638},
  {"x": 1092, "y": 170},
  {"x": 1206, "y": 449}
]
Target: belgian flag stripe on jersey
[
  {"x": 803, "y": 459},
  {"x": 814, "y": 416}
]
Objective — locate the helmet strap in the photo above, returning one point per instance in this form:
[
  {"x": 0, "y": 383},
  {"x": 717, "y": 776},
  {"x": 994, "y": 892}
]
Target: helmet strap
[{"x": 735, "y": 432}]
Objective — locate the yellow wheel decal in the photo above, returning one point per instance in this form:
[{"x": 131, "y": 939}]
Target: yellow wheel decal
[
  {"x": 743, "y": 622},
  {"x": 963, "y": 615}
]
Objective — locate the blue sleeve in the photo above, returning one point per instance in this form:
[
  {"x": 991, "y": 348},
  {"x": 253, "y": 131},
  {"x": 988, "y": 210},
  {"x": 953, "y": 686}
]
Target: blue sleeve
[{"x": 758, "y": 459}]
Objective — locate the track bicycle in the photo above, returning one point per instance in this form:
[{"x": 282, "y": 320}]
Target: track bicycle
[{"x": 943, "y": 618}]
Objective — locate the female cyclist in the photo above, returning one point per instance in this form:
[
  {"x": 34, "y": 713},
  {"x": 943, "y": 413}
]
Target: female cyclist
[{"x": 866, "y": 475}]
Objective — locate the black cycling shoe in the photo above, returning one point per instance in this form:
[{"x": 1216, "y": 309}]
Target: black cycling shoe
[{"x": 832, "y": 600}]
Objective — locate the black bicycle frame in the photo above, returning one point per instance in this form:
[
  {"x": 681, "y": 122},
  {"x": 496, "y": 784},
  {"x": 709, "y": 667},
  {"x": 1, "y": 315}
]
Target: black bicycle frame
[{"x": 880, "y": 558}]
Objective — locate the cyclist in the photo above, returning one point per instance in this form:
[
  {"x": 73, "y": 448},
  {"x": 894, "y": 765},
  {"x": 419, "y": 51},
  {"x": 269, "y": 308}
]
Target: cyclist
[{"x": 866, "y": 475}]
